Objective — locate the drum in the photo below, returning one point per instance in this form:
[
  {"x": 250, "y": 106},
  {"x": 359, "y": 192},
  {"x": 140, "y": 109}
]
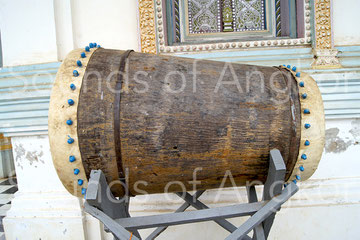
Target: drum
[{"x": 156, "y": 123}]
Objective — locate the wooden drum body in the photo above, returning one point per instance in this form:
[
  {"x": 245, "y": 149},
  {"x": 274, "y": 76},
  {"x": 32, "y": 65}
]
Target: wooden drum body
[{"x": 161, "y": 123}]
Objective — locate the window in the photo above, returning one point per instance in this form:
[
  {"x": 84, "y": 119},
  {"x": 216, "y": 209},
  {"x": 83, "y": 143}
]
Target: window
[{"x": 207, "y": 21}]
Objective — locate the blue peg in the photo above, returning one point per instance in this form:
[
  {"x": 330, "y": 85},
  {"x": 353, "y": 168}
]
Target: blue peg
[
  {"x": 91, "y": 45},
  {"x": 87, "y": 49},
  {"x": 301, "y": 84},
  {"x": 294, "y": 69},
  {"x": 301, "y": 168},
  {"x": 83, "y": 191},
  {"x": 72, "y": 86},
  {"x": 304, "y": 95},
  {"x": 306, "y": 111},
  {"x": 76, "y": 171},
  {"x": 307, "y": 125},
  {"x": 307, "y": 143},
  {"x": 70, "y": 140},
  {"x": 72, "y": 159},
  {"x": 294, "y": 181},
  {"x": 78, "y": 62},
  {"x": 69, "y": 122},
  {"x": 298, "y": 177},
  {"x": 288, "y": 66},
  {"x": 83, "y": 55},
  {"x": 303, "y": 156},
  {"x": 75, "y": 73},
  {"x": 71, "y": 102},
  {"x": 80, "y": 182},
  {"x": 298, "y": 74}
]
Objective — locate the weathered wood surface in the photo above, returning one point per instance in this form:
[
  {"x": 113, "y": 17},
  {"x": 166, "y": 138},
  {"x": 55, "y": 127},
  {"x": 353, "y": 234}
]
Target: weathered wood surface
[
  {"x": 96, "y": 117},
  {"x": 166, "y": 135}
]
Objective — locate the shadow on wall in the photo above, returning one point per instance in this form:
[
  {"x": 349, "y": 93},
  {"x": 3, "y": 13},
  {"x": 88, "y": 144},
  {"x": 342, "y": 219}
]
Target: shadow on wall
[{"x": 335, "y": 143}]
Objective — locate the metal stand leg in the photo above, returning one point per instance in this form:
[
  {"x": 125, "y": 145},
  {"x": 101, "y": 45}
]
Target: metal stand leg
[
  {"x": 182, "y": 208},
  {"x": 101, "y": 204}
]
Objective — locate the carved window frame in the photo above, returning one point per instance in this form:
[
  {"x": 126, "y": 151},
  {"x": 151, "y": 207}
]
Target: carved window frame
[
  {"x": 318, "y": 33},
  {"x": 188, "y": 38}
]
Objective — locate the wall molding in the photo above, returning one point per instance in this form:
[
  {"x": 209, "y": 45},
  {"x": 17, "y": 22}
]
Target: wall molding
[
  {"x": 25, "y": 90},
  {"x": 24, "y": 98}
]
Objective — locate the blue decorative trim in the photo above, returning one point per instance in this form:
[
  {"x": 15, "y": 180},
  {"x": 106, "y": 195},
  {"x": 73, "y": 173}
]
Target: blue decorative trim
[
  {"x": 75, "y": 73},
  {"x": 80, "y": 182},
  {"x": 70, "y": 140},
  {"x": 72, "y": 159},
  {"x": 70, "y": 102}
]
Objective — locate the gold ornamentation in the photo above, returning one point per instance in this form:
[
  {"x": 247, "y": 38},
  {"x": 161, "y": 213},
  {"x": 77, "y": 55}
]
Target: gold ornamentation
[
  {"x": 152, "y": 25},
  {"x": 152, "y": 36},
  {"x": 323, "y": 24},
  {"x": 147, "y": 26},
  {"x": 324, "y": 52}
]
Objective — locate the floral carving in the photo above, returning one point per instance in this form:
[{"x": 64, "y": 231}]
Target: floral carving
[
  {"x": 323, "y": 24},
  {"x": 147, "y": 26},
  {"x": 325, "y": 54}
]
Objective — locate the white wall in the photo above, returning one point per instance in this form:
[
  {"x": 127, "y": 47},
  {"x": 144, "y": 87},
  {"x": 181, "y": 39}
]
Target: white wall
[
  {"x": 345, "y": 19},
  {"x": 111, "y": 23},
  {"x": 41, "y": 31},
  {"x": 27, "y": 32}
]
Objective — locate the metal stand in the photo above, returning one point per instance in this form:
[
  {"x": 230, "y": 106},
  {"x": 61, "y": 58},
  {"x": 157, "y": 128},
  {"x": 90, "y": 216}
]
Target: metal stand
[{"x": 114, "y": 214}]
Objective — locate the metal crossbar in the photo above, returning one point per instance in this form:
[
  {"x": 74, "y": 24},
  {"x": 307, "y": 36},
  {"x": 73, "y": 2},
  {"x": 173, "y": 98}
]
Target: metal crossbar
[{"x": 114, "y": 214}]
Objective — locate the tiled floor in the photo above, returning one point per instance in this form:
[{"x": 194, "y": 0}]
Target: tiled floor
[{"x": 7, "y": 189}]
